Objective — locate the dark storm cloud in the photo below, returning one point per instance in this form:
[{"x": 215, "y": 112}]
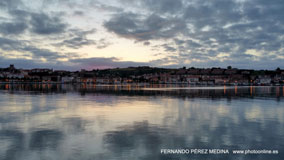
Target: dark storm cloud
[
  {"x": 35, "y": 52},
  {"x": 13, "y": 28},
  {"x": 122, "y": 24},
  {"x": 77, "y": 42},
  {"x": 103, "y": 7},
  {"x": 77, "y": 38},
  {"x": 164, "y": 6},
  {"x": 244, "y": 29},
  {"x": 44, "y": 24},
  {"x": 169, "y": 48},
  {"x": 38, "y": 23},
  {"x": 191, "y": 43},
  {"x": 179, "y": 41},
  {"x": 10, "y": 4},
  {"x": 9, "y": 44},
  {"x": 17, "y": 23},
  {"x": 261, "y": 9},
  {"x": 204, "y": 29},
  {"x": 193, "y": 30},
  {"x": 44, "y": 53},
  {"x": 134, "y": 26},
  {"x": 20, "y": 15},
  {"x": 212, "y": 13}
]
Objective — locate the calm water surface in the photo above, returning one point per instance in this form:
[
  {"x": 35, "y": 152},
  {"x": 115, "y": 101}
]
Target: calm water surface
[{"x": 134, "y": 122}]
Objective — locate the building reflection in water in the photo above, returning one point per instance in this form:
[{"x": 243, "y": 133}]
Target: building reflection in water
[{"x": 115, "y": 122}]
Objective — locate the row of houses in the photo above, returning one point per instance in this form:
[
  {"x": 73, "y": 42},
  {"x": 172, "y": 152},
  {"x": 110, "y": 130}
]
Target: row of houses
[
  {"x": 213, "y": 76},
  {"x": 236, "y": 79}
]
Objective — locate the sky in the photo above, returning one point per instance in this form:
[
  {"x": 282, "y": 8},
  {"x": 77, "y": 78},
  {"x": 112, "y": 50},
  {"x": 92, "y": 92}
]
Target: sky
[{"x": 91, "y": 34}]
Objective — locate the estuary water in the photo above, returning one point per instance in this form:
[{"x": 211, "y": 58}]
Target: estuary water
[{"x": 89, "y": 122}]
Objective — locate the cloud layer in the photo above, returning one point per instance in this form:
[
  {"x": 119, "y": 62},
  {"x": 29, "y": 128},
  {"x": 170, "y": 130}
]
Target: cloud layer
[{"x": 241, "y": 33}]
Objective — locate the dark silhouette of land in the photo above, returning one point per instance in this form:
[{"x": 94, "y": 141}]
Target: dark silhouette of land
[{"x": 146, "y": 74}]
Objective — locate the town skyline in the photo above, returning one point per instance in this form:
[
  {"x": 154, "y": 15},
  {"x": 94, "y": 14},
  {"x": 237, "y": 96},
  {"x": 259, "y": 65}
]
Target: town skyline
[
  {"x": 144, "y": 74},
  {"x": 75, "y": 34}
]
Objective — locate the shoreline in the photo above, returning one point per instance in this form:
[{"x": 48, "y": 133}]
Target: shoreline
[{"x": 139, "y": 84}]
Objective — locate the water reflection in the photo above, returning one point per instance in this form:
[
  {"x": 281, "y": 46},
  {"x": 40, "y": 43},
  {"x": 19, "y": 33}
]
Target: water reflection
[
  {"x": 112, "y": 123},
  {"x": 179, "y": 91},
  {"x": 15, "y": 140},
  {"x": 45, "y": 139}
]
